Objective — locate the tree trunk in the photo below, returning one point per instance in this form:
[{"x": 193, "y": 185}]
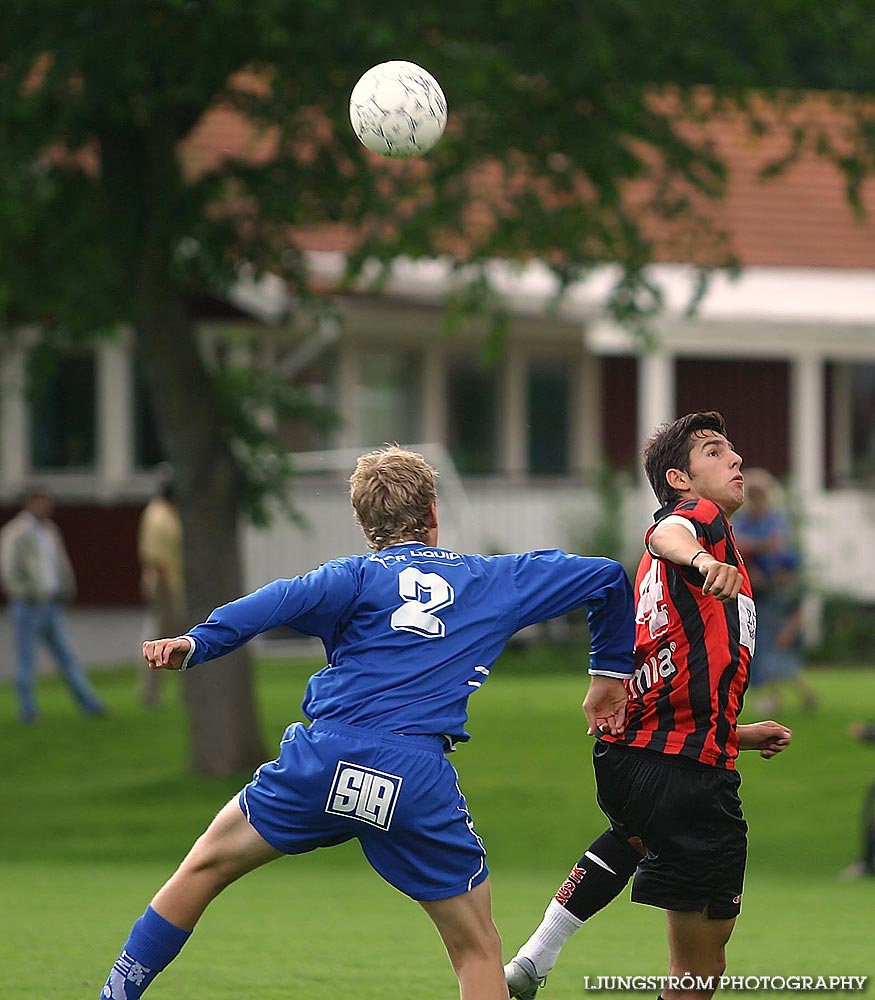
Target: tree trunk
[{"x": 223, "y": 723}]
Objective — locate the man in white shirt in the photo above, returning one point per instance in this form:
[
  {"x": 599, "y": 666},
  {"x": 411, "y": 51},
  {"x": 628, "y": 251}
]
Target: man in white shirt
[{"x": 37, "y": 576}]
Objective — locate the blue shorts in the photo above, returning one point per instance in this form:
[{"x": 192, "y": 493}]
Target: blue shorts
[{"x": 397, "y": 795}]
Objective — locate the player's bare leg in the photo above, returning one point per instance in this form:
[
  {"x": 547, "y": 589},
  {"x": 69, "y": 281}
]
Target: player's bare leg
[
  {"x": 472, "y": 941},
  {"x": 230, "y": 847},
  {"x": 697, "y": 949}
]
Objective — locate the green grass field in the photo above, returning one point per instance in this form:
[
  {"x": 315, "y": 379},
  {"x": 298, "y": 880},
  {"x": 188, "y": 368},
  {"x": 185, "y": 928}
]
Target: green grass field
[{"x": 95, "y": 815}]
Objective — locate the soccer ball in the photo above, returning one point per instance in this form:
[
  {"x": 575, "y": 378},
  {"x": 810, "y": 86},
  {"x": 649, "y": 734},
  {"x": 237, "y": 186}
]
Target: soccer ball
[{"x": 398, "y": 109}]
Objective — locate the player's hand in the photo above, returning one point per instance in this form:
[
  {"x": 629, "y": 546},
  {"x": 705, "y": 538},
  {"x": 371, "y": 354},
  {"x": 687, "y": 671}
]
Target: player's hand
[
  {"x": 722, "y": 580},
  {"x": 605, "y": 706},
  {"x": 166, "y": 654},
  {"x": 769, "y": 737}
]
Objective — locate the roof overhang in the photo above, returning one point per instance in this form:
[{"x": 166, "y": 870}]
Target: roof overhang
[{"x": 763, "y": 312}]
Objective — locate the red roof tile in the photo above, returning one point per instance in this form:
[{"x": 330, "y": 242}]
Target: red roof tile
[{"x": 802, "y": 217}]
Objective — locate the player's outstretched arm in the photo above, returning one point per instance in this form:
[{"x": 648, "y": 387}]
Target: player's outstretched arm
[
  {"x": 769, "y": 737},
  {"x": 166, "y": 654},
  {"x": 605, "y": 706},
  {"x": 674, "y": 543}
]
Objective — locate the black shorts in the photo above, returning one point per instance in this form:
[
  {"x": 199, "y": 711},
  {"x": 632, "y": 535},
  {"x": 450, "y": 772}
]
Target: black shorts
[{"x": 689, "y": 817}]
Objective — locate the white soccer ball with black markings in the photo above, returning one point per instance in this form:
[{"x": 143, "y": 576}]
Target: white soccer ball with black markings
[{"x": 397, "y": 109}]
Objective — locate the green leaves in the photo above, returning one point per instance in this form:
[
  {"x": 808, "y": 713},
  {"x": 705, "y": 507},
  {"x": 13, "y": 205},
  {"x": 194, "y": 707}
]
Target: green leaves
[
  {"x": 252, "y": 401},
  {"x": 188, "y": 138}
]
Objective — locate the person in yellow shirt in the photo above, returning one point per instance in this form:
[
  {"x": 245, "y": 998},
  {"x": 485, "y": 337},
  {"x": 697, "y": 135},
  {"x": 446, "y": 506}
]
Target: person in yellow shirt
[{"x": 162, "y": 585}]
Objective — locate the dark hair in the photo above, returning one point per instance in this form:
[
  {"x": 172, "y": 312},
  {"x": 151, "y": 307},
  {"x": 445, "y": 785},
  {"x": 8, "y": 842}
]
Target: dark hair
[{"x": 669, "y": 448}]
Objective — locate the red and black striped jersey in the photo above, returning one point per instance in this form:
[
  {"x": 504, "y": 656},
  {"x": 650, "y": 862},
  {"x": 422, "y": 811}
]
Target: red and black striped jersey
[{"x": 692, "y": 652}]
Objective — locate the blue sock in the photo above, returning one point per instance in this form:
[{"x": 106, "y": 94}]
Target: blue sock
[{"x": 151, "y": 946}]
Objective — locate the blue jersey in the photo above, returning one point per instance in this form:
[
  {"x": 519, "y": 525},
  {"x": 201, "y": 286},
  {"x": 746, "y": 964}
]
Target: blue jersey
[{"x": 411, "y": 632}]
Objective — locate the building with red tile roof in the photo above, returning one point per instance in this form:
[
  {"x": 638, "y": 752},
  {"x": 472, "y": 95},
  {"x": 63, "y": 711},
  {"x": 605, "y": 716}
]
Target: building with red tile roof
[{"x": 786, "y": 351}]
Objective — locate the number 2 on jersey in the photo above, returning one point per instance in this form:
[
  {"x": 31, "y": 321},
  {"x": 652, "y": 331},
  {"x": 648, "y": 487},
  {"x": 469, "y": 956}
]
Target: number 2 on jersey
[{"x": 424, "y": 594}]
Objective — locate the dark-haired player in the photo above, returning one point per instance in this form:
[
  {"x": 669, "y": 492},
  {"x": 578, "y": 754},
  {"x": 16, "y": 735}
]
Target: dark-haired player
[{"x": 666, "y": 777}]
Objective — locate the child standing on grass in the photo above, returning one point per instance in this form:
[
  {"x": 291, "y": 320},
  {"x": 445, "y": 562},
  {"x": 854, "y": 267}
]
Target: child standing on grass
[{"x": 410, "y": 632}]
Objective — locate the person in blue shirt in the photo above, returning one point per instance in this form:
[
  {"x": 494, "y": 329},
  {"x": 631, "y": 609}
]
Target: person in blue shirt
[
  {"x": 411, "y": 630},
  {"x": 762, "y": 532}
]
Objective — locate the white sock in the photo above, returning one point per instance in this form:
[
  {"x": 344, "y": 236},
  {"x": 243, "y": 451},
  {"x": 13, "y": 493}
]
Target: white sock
[{"x": 544, "y": 945}]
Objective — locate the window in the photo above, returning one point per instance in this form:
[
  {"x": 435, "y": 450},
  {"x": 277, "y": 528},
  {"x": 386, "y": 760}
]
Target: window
[
  {"x": 862, "y": 391},
  {"x": 147, "y": 445},
  {"x": 549, "y": 417},
  {"x": 62, "y": 411},
  {"x": 389, "y": 397},
  {"x": 316, "y": 381},
  {"x": 472, "y": 417}
]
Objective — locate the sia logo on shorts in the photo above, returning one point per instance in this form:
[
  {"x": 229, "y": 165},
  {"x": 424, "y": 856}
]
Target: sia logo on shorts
[{"x": 363, "y": 793}]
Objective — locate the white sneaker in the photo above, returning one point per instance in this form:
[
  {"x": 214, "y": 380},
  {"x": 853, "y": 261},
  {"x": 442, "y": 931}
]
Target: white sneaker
[
  {"x": 859, "y": 869},
  {"x": 522, "y": 978}
]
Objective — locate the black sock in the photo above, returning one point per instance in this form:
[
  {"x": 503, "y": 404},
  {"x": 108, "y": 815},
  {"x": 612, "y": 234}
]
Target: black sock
[{"x": 599, "y": 876}]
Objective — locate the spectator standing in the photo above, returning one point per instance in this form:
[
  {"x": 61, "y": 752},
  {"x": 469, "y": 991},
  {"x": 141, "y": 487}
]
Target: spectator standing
[
  {"x": 762, "y": 532},
  {"x": 159, "y": 547},
  {"x": 38, "y": 577}
]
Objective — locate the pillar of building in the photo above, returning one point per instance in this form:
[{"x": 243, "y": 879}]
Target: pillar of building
[
  {"x": 434, "y": 393},
  {"x": 347, "y": 394},
  {"x": 656, "y": 392},
  {"x": 14, "y": 423},
  {"x": 513, "y": 432},
  {"x": 807, "y": 424},
  {"x": 586, "y": 411},
  {"x": 115, "y": 430}
]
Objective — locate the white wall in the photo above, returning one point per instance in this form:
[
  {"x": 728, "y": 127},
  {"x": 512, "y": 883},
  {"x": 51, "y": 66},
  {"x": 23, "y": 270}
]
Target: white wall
[
  {"x": 838, "y": 529},
  {"x": 839, "y": 542}
]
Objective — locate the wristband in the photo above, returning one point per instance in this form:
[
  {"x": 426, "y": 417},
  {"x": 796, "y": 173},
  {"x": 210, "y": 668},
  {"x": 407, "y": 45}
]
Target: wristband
[{"x": 701, "y": 552}]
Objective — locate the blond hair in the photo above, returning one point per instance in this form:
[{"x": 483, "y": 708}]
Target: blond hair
[
  {"x": 762, "y": 479},
  {"x": 391, "y": 491}
]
